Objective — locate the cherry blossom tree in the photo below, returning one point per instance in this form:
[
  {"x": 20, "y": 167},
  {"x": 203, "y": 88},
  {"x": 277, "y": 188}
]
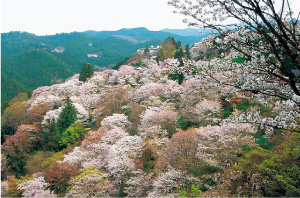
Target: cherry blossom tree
[
  {"x": 90, "y": 183},
  {"x": 51, "y": 115},
  {"x": 95, "y": 148},
  {"x": 111, "y": 102},
  {"x": 219, "y": 145},
  {"x": 113, "y": 135},
  {"x": 128, "y": 74},
  {"x": 76, "y": 157},
  {"x": 207, "y": 106},
  {"x": 147, "y": 90},
  {"x": 264, "y": 42},
  {"x": 180, "y": 151},
  {"x": 203, "y": 112},
  {"x": 152, "y": 132},
  {"x": 166, "y": 118},
  {"x": 134, "y": 113},
  {"x": 168, "y": 183},
  {"x": 116, "y": 120},
  {"x": 172, "y": 90},
  {"x": 122, "y": 155},
  {"x": 191, "y": 91},
  {"x": 139, "y": 184},
  {"x": 4, "y": 188},
  {"x": 97, "y": 79},
  {"x": 35, "y": 188}
]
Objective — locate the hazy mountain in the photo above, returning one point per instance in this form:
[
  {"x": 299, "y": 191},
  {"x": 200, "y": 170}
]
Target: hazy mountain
[
  {"x": 188, "y": 32},
  {"x": 143, "y": 34}
]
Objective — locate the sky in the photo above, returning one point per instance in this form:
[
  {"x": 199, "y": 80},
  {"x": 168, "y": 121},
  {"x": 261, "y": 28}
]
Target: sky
[{"x": 48, "y": 17}]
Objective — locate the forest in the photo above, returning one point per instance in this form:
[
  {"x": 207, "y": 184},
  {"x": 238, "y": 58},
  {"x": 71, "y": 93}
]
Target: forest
[{"x": 29, "y": 61}]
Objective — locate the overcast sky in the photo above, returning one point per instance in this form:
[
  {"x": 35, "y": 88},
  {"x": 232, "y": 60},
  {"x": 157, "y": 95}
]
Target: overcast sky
[
  {"x": 55, "y": 16},
  {"x": 43, "y": 17}
]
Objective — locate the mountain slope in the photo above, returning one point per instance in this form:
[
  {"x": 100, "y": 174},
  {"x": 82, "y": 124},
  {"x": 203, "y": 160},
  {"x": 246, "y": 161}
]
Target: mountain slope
[{"x": 33, "y": 61}]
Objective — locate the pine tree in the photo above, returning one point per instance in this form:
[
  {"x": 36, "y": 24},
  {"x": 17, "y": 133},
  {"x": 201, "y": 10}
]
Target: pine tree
[
  {"x": 67, "y": 117},
  {"x": 179, "y": 54},
  {"x": 146, "y": 50},
  {"x": 187, "y": 51},
  {"x": 86, "y": 72},
  {"x": 52, "y": 136}
]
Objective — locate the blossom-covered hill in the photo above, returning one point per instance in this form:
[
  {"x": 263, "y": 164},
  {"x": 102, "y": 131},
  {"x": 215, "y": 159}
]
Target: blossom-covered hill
[{"x": 143, "y": 132}]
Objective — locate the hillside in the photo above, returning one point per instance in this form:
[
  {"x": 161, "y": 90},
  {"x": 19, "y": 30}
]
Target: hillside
[
  {"x": 20, "y": 50},
  {"x": 168, "y": 129}
]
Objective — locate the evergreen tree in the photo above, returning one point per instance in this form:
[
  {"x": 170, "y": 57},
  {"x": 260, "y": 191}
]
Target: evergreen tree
[
  {"x": 179, "y": 54},
  {"x": 67, "y": 117},
  {"x": 178, "y": 44},
  {"x": 86, "y": 72},
  {"x": 52, "y": 136},
  {"x": 187, "y": 51},
  {"x": 146, "y": 51}
]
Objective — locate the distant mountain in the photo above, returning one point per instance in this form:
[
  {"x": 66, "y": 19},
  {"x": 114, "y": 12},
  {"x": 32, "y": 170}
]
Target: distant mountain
[
  {"x": 189, "y": 32},
  {"x": 29, "y": 61},
  {"x": 142, "y": 34}
]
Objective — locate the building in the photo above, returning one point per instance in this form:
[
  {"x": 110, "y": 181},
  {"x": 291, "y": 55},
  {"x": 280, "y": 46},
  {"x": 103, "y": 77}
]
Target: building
[
  {"x": 59, "y": 50},
  {"x": 92, "y": 55}
]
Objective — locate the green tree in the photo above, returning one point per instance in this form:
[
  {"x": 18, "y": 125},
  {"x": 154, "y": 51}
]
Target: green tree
[
  {"x": 86, "y": 72},
  {"x": 146, "y": 51},
  {"x": 178, "y": 45},
  {"x": 281, "y": 173},
  {"x": 52, "y": 136},
  {"x": 67, "y": 117},
  {"x": 179, "y": 54},
  {"x": 46, "y": 165},
  {"x": 277, "y": 171},
  {"x": 167, "y": 49},
  {"x": 13, "y": 183},
  {"x": 14, "y": 115},
  {"x": 34, "y": 162},
  {"x": 72, "y": 135},
  {"x": 176, "y": 76},
  {"x": 187, "y": 51},
  {"x": 192, "y": 191}
]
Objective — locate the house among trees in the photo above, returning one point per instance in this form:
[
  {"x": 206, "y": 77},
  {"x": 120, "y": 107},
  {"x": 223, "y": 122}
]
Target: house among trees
[
  {"x": 152, "y": 50},
  {"x": 59, "y": 50},
  {"x": 92, "y": 55},
  {"x": 95, "y": 55}
]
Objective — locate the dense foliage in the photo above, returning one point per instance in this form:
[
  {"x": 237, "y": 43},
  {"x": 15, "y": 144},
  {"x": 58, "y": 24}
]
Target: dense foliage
[{"x": 86, "y": 72}]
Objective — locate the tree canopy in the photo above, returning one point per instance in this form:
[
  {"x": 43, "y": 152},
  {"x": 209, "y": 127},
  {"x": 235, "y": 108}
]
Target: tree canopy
[
  {"x": 67, "y": 116},
  {"x": 86, "y": 72}
]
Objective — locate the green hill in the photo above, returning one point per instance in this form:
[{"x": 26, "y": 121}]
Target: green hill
[{"x": 29, "y": 61}]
